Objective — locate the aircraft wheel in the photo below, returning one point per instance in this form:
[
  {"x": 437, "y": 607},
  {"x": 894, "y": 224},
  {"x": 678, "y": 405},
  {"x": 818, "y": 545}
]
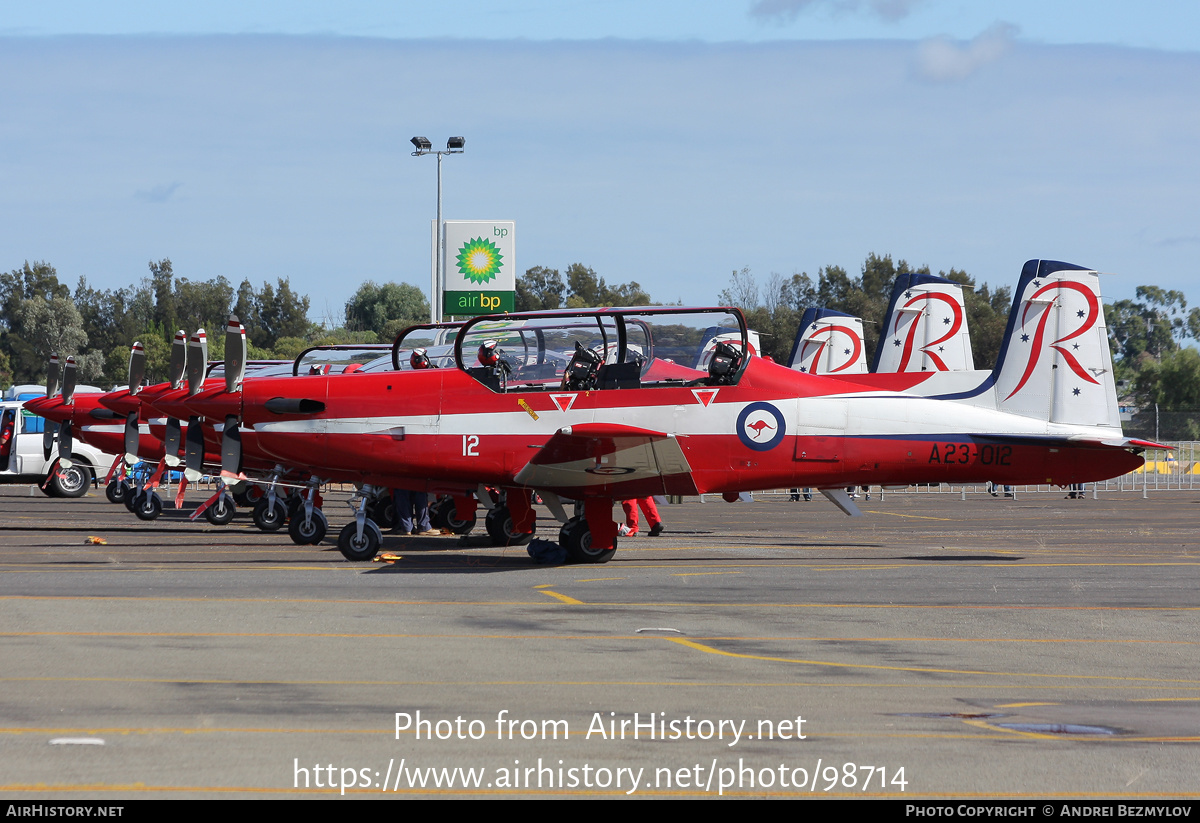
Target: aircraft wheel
[
  {"x": 248, "y": 497},
  {"x": 308, "y": 533},
  {"x": 150, "y": 507},
  {"x": 383, "y": 512},
  {"x": 356, "y": 549},
  {"x": 458, "y": 526},
  {"x": 499, "y": 525},
  {"x": 576, "y": 538},
  {"x": 221, "y": 512},
  {"x": 115, "y": 491},
  {"x": 132, "y": 495},
  {"x": 270, "y": 518},
  {"x": 72, "y": 482},
  {"x": 438, "y": 510}
]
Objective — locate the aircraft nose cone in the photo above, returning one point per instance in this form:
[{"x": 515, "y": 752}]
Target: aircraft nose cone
[
  {"x": 122, "y": 402},
  {"x": 166, "y": 402},
  {"x": 51, "y": 408},
  {"x": 215, "y": 403}
]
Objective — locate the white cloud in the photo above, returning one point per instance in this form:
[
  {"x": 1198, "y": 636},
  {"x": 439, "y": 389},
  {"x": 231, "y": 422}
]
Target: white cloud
[
  {"x": 159, "y": 194},
  {"x": 943, "y": 59},
  {"x": 785, "y": 11}
]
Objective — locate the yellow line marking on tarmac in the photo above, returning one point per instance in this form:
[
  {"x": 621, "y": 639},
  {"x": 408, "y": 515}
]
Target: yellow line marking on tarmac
[
  {"x": 813, "y": 684},
  {"x": 618, "y": 604},
  {"x": 599, "y": 579},
  {"x": 541, "y": 638},
  {"x": 700, "y": 574},
  {"x": 1079, "y": 738},
  {"x": 570, "y": 601},
  {"x": 913, "y": 516},
  {"x": 1023, "y": 705},
  {"x": 919, "y": 669}
]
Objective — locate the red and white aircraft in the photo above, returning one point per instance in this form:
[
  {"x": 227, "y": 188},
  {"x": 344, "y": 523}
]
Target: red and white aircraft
[{"x": 593, "y": 405}]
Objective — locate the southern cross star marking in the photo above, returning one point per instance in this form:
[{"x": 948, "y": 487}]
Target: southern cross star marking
[
  {"x": 907, "y": 295},
  {"x": 1075, "y": 346},
  {"x": 1024, "y": 338},
  {"x": 941, "y": 348},
  {"x": 1075, "y": 392},
  {"x": 812, "y": 327},
  {"x": 896, "y": 342},
  {"x": 1037, "y": 283},
  {"x": 945, "y": 321},
  {"x": 847, "y": 351}
]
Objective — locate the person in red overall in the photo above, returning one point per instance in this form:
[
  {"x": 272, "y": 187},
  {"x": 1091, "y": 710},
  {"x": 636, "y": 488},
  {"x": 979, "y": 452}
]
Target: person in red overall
[{"x": 631, "y": 516}]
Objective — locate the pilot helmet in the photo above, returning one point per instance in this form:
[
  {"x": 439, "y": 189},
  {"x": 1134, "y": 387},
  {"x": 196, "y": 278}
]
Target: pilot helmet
[
  {"x": 489, "y": 353},
  {"x": 419, "y": 359}
]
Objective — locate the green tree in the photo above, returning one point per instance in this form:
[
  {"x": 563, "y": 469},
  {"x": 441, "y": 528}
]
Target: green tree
[
  {"x": 373, "y": 305},
  {"x": 585, "y": 289},
  {"x": 281, "y": 313},
  {"x": 540, "y": 289}
]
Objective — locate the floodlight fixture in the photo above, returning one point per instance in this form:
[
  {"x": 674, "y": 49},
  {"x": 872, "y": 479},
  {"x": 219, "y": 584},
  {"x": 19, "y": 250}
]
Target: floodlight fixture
[{"x": 455, "y": 145}]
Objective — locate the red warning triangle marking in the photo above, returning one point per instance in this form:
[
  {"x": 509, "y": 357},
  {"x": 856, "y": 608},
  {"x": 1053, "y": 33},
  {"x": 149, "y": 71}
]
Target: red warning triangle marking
[
  {"x": 705, "y": 396},
  {"x": 563, "y": 401}
]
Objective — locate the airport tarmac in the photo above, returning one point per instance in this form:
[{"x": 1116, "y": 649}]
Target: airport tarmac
[{"x": 935, "y": 648}]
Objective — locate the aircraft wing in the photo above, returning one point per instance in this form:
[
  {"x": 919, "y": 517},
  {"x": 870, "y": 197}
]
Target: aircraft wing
[{"x": 609, "y": 459}]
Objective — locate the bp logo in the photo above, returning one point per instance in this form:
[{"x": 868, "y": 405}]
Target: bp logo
[
  {"x": 479, "y": 260},
  {"x": 760, "y": 427}
]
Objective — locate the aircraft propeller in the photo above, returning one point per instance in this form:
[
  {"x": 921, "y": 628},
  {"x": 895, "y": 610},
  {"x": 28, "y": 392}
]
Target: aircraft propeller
[
  {"x": 137, "y": 372},
  {"x": 51, "y": 428},
  {"x": 235, "y": 372},
  {"x": 174, "y": 432},
  {"x": 197, "y": 362},
  {"x": 68, "y": 398}
]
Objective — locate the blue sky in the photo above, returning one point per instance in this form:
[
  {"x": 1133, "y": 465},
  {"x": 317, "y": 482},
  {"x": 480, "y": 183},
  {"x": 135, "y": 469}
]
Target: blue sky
[{"x": 667, "y": 142}]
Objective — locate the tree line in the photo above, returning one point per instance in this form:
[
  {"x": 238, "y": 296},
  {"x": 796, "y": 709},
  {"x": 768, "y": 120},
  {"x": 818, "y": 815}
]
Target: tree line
[{"x": 39, "y": 314}]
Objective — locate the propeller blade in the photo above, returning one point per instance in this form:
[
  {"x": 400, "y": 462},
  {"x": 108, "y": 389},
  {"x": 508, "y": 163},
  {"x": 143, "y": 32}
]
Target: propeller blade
[
  {"x": 64, "y": 445},
  {"x": 195, "y": 449},
  {"x": 48, "y": 433},
  {"x": 231, "y": 447},
  {"x": 50, "y": 428},
  {"x": 171, "y": 441},
  {"x": 131, "y": 437},
  {"x": 52, "y": 376},
  {"x": 68, "y": 388},
  {"x": 137, "y": 368},
  {"x": 235, "y": 354},
  {"x": 178, "y": 359},
  {"x": 197, "y": 363}
]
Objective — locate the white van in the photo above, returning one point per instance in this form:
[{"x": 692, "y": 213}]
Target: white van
[{"x": 21, "y": 455}]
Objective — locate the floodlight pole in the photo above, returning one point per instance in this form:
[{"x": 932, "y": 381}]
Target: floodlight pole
[{"x": 454, "y": 145}]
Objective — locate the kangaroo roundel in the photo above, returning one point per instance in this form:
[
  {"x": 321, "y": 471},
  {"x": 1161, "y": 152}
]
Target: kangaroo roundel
[{"x": 760, "y": 426}]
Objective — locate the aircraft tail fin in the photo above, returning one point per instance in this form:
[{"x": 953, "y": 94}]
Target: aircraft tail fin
[
  {"x": 925, "y": 328},
  {"x": 1054, "y": 361},
  {"x": 828, "y": 342}
]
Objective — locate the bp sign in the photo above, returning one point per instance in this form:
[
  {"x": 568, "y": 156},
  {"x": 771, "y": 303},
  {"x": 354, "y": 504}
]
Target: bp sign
[{"x": 480, "y": 267}]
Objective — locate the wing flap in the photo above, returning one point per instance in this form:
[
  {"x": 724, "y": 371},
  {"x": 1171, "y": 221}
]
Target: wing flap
[{"x": 610, "y": 460}]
